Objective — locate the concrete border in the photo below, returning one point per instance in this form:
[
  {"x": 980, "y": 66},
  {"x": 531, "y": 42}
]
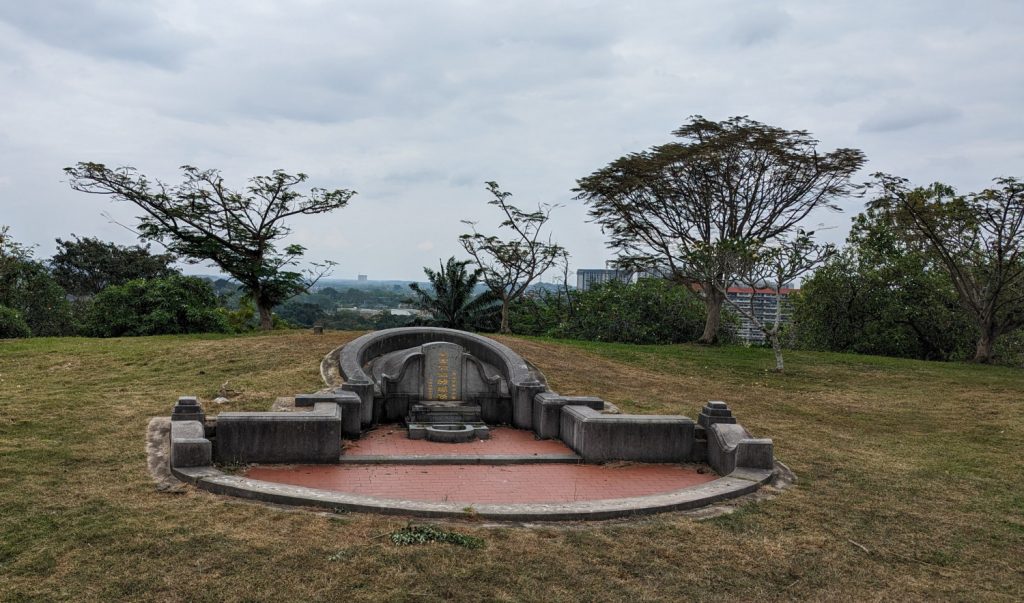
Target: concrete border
[
  {"x": 738, "y": 483},
  {"x": 467, "y": 459}
]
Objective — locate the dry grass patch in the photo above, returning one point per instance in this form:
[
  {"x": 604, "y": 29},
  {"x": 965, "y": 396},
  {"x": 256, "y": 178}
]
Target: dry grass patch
[{"x": 909, "y": 485}]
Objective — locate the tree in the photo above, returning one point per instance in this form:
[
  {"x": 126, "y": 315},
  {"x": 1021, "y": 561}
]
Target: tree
[
  {"x": 510, "y": 266},
  {"x": 12, "y": 325},
  {"x": 452, "y": 302},
  {"x": 649, "y": 311},
  {"x": 978, "y": 238},
  {"x": 774, "y": 267},
  {"x": 86, "y": 266},
  {"x": 882, "y": 294},
  {"x": 676, "y": 209},
  {"x": 301, "y": 313},
  {"x": 201, "y": 219},
  {"x": 27, "y": 288},
  {"x": 162, "y": 306}
]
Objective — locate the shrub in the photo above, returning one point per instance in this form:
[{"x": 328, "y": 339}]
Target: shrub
[
  {"x": 12, "y": 325},
  {"x": 648, "y": 311},
  {"x": 176, "y": 304}
]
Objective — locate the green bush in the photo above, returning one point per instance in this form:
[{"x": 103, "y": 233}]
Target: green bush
[
  {"x": 650, "y": 311},
  {"x": 27, "y": 287},
  {"x": 540, "y": 312},
  {"x": 12, "y": 325},
  {"x": 176, "y": 304}
]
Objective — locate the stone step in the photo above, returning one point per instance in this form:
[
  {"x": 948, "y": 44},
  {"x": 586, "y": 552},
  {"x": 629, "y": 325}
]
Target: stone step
[{"x": 444, "y": 412}]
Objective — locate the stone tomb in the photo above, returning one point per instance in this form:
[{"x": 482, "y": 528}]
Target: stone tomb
[
  {"x": 449, "y": 386},
  {"x": 441, "y": 414}
]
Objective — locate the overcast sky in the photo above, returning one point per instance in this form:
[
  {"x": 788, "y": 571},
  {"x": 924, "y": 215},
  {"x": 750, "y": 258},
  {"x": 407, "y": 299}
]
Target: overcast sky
[{"x": 416, "y": 104}]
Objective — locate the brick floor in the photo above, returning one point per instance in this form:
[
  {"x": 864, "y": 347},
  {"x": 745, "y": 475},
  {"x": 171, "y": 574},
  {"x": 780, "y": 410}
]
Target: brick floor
[
  {"x": 477, "y": 484},
  {"x": 393, "y": 441}
]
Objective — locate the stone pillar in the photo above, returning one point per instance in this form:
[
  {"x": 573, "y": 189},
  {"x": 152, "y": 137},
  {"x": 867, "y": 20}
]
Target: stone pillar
[
  {"x": 188, "y": 409},
  {"x": 363, "y": 389},
  {"x": 522, "y": 403}
]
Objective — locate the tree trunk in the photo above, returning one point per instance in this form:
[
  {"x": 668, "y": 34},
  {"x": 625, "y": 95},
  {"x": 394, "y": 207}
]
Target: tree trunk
[
  {"x": 777, "y": 348},
  {"x": 504, "y": 319},
  {"x": 266, "y": 319},
  {"x": 713, "y": 300},
  {"x": 986, "y": 344}
]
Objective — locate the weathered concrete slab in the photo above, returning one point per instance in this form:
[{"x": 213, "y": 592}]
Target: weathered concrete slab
[
  {"x": 547, "y": 411},
  {"x": 599, "y": 437},
  {"x": 272, "y": 437}
]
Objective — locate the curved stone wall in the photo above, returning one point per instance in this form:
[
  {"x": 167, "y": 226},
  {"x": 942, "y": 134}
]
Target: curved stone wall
[
  {"x": 524, "y": 380},
  {"x": 355, "y": 354}
]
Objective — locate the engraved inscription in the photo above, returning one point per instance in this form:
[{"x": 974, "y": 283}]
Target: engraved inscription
[{"x": 442, "y": 371}]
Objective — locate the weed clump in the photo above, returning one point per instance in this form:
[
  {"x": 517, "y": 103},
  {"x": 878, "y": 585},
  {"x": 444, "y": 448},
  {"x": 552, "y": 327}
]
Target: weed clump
[{"x": 426, "y": 534}]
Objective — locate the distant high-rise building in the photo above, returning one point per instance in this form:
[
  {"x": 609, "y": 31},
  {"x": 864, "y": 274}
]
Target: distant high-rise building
[
  {"x": 361, "y": 277},
  {"x": 588, "y": 277},
  {"x": 764, "y": 308}
]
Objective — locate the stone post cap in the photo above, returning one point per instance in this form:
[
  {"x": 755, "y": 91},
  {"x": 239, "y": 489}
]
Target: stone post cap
[
  {"x": 715, "y": 411},
  {"x": 188, "y": 408}
]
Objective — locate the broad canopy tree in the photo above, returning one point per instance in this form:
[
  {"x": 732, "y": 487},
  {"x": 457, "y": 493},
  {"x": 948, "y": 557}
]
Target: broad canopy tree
[
  {"x": 978, "y": 238},
  {"x": 86, "y": 266},
  {"x": 510, "y": 266},
  {"x": 239, "y": 231},
  {"x": 677, "y": 209},
  {"x": 882, "y": 293}
]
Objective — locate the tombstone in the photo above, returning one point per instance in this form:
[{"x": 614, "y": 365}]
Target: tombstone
[
  {"x": 442, "y": 371},
  {"x": 442, "y": 414}
]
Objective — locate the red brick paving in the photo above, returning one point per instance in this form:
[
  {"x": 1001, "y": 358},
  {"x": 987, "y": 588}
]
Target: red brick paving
[
  {"x": 393, "y": 441},
  {"x": 479, "y": 484}
]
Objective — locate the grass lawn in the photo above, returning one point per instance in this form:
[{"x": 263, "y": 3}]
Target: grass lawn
[{"x": 911, "y": 484}]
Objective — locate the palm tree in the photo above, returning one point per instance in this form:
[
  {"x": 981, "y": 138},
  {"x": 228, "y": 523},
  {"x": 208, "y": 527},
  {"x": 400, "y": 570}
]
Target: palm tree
[{"x": 451, "y": 303}]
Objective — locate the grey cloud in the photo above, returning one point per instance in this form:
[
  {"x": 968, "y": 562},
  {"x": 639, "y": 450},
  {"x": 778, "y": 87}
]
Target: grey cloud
[
  {"x": 416, "y": 104},
  {"x": 906, "y": 116},
  {"x": 758, "y": 25},
  {"x": 125, "y": 31},
  {"x": 414, "y": 177}
]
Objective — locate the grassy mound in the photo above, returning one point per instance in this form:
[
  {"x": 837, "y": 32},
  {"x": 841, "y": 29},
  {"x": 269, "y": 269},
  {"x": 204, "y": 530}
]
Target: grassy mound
[{"x": 910, "y": 484}]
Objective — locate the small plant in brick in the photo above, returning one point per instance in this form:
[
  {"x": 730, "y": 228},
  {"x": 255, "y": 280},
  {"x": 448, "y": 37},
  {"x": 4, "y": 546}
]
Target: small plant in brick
[{"x": 425, "y": 534}]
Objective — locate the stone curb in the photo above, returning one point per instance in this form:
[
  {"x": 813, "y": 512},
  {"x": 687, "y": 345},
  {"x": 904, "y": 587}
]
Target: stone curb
[
  {"x": 738, "y": 483},
  {"x": 480, "y": 459}
]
